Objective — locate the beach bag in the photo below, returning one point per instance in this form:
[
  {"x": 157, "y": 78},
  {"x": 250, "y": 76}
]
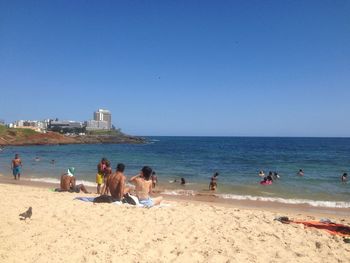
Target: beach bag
[{"x": 130, "y": 199}]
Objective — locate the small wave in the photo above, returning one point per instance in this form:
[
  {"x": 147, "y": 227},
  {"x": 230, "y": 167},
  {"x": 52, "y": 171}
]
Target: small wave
[
  {"x": 45, "y": 180},
  {"x": 56, "y": 181},
  {"x": 329, "y": 204},
  {"x": 179, "y": 192}
]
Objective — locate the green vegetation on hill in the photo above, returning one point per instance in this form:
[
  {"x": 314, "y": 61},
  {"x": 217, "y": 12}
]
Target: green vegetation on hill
[
  {"x": 4, "y": 131},
  {"x": 104, "y": 132}
]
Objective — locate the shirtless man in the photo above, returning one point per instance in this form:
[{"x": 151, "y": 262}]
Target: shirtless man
[
  {"x": 143, "y": 187},
  {"x": 68, "y": 181},
  {"x": 116, "y": 183},
  {"x": 16, "y": 166}
]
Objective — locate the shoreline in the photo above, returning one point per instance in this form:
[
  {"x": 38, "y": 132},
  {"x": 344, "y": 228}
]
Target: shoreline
[{"x": 211, "y": 199}]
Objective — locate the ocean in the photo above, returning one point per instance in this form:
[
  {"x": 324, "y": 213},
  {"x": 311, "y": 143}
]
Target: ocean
[{"x": 237, "y": 159}]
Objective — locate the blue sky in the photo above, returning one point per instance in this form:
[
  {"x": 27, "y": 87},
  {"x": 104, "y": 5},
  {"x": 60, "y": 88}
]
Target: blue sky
[{"x": 219, "y": 68}]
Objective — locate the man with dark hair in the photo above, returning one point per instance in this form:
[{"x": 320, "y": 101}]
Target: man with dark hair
[
  {"x": 143, "y": 187},
  {"x": 116, "y": 183}
]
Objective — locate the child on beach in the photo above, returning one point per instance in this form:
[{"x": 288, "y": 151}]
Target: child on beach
[{"x": 101, "y": 166}]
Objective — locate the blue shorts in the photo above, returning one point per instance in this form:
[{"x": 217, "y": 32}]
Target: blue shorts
[
  {"x": 147, "y": 202},
  {"x": 16, "y": 170}
]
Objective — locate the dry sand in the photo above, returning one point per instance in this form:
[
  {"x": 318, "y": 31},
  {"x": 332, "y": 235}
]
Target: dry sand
[{"x": 65, "y": 230}]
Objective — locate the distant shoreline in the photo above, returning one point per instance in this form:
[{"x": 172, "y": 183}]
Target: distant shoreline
[{"x": 211, "y": 199}]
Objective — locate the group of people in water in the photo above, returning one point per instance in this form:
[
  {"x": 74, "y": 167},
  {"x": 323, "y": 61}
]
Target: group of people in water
[{"x": 114, "y": 183}]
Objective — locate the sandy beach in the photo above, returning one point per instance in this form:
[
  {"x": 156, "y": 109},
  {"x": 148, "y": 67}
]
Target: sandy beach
[{"x": 65, "y": 230}]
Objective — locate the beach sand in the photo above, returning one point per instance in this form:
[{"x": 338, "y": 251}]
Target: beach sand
[{"x": 65, "y": 230}]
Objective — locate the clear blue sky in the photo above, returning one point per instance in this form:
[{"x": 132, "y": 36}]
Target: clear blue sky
[{"x": 255, "y": 68}]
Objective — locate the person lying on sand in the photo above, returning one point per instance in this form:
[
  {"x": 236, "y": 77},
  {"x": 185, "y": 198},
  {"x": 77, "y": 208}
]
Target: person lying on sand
[
  {"x": 115, "y": 183},
  {"x": 67, "y": 183},
  {"x": 143, "y": 187}
]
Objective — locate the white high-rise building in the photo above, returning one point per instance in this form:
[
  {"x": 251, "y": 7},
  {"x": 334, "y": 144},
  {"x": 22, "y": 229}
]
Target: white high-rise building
[{"x": 104, "y": 115}]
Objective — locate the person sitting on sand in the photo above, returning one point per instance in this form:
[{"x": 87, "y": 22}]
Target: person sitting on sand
[
  {"x": 301, "y": 172},
  {"x": 16, "y": 166},
  {"x": 213, "y": 184},
  {"x": 143, "y": 187},
  {"x": 68, "y": 183},
  {"x": 101, "y": 166},
  {"x": 116, "y": 183},
  {"x": 344, "y": 177}
]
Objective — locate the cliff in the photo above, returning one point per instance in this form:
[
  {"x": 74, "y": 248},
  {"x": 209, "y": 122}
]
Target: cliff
[{"x": 29, "y": 137}]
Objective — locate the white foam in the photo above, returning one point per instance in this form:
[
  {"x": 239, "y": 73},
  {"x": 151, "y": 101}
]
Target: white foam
[
  {"x": 179, "y": 192},
  {"x": 45, "y": 180},
  {"x": 330, "y": 204},
  {"x": 56, "y": 181}
]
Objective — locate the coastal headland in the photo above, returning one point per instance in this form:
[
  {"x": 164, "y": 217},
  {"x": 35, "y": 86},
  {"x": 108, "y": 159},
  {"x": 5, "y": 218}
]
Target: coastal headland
[{"x": 20, "y": 137}]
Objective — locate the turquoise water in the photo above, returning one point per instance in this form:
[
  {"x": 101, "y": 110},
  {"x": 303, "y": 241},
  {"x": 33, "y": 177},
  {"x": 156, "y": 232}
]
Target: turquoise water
[{"x": 237, "y": 159}]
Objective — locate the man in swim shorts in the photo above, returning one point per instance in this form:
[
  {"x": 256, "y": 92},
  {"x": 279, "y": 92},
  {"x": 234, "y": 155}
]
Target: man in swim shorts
[{"x": 16, "y": 166}]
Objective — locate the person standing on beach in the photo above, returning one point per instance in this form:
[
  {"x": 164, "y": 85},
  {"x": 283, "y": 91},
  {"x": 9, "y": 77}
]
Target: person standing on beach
[
  {"x": 143, "y": 187},
  {"x": 116, "y": 183},
  {"x": 213, "y": 184},
  {"x": 16, "y": 166},
  {"x": 107, "y": 173},
  {"x": 101, "y": 166}
]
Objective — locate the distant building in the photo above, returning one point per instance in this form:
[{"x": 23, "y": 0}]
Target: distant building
[
  {"x": 39, "y": 126},
  {"x": 96, "y": 125},
  {"x": 104, "y": 115},
  {"x": 66, "y": 126}
]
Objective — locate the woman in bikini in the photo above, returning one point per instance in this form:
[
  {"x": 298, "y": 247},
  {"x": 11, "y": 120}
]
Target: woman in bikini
[{"x": 143, "y": 187}]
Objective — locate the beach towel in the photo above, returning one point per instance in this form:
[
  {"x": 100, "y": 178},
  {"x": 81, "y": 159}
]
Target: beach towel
[
  {"x": 85, "y": 199},
  {"x": 326, "y": 225}
]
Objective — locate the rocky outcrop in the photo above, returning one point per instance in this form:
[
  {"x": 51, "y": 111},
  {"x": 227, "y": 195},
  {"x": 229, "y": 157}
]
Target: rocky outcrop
[{"x": 13, "y": 137}]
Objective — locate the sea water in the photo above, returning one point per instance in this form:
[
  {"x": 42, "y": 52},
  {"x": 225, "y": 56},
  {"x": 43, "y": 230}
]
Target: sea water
[{"x": 237, "y": 159}]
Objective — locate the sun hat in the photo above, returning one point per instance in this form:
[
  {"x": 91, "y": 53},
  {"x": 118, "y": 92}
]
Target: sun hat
[{"x": 70, "y": 171}]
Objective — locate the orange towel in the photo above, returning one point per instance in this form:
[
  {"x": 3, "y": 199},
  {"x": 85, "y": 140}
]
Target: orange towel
[{"x": 332, "y": 228}]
